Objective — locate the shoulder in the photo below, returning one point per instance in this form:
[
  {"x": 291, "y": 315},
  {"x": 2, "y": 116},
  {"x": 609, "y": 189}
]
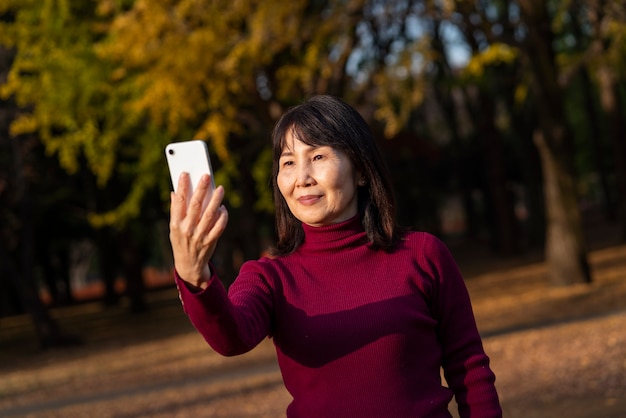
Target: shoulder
[
  {"x": 256, "y": 276},
  {"x": 262, "y": 265},
  {"x": 424, "y": 242},
  {"x": 429, "y": 251},
  {"x": 270, "y": 268}
]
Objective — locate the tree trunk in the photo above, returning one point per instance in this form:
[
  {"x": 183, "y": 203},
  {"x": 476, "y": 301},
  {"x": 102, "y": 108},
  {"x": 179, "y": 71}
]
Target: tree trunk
[
  {"x": 132, "y": 264},
  {"x": 596, "y": 133},
  {"x": 17, "y": 258},
  {"x": 595, "y": 137},
  {"x": 530, "y": 164},
  {"x": 613, "y": 109},
  {"x": 504, "y": 230},
  {"x": 503, "y": 227},
  {"x": 108, "y": 257},
  {"x": 20, "y": 270},
  {"x": 566, "y": 254},
  {"x": 46, "y": 328}
]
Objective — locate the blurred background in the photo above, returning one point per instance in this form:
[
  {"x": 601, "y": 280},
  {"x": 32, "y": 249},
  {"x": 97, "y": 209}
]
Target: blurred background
[{"x": 503, "y": 123}]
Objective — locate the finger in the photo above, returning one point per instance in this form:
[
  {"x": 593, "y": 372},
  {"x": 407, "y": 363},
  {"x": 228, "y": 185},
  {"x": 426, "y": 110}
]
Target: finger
[
  {"x": 210, "y": 215},
  {"x": 216, "y": 199},
  {"x": 216, "y": 231},
  {"x": 198, "y": 197},
  {"x": 183, "y": 182},
  {"x": 178, "y": 205},
  {"x": 177, "y": 209}
]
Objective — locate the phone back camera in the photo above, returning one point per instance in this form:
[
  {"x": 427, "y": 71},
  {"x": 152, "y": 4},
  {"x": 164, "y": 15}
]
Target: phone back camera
[{"x": 171, "y": 151}]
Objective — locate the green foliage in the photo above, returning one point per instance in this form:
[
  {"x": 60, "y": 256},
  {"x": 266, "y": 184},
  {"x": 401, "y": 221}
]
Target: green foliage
[
  {"x": 58, "y": 77},
  {"x": 261, "y": 171},
  {"x": 63, "y": 87},
  {"x": 186, "y": 70},
  {"x": 107, "y": 84},
  {"x": 494, "y": 54}
]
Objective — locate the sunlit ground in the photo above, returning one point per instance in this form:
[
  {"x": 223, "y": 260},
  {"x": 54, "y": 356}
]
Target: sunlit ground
[{"x": 555, "y": 351}]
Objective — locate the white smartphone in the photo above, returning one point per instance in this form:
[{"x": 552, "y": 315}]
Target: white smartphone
[{"x": 192, "y": 157}]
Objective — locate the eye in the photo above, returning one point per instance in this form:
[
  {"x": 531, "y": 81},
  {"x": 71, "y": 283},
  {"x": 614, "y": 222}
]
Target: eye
[
  {"x": 317, "y": 157},
  {"x": 287, "y": 163}
]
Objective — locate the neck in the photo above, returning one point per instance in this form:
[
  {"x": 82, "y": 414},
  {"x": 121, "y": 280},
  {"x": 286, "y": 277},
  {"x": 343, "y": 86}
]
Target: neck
[{"x": 334, "y": 237}]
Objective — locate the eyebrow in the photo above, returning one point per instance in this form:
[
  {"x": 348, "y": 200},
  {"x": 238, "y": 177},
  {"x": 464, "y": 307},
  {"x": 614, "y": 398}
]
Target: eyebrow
[{"x": 311, "y": 148}]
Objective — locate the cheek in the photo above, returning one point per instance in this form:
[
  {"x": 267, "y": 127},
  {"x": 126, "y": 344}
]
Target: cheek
[{"x": 282, "y": 184}]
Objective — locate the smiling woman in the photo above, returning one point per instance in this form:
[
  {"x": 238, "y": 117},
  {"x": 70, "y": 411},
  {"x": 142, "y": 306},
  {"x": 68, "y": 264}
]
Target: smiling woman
[
  {"x": 362, "y": 315},
  {"x": 318, "y": 183},
  {"x": 327, "y": 123}
]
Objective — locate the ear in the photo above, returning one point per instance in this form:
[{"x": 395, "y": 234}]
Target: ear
[{"x": 360, "y": 178}]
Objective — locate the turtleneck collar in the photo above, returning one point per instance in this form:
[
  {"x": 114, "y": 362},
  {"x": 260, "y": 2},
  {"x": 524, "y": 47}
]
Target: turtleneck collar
[{"x": 335, "y": 237}]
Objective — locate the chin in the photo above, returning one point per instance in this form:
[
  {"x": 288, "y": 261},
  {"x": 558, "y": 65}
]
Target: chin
[
  {"x": 312, "y": 221},
  {"x": 314, "y": 224}
]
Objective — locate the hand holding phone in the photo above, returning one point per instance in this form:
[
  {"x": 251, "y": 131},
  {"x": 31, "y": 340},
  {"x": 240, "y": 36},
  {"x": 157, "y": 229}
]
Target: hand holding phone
[
  {"x": 194, "y": 233},
  {"x": 189, "y": 156}
]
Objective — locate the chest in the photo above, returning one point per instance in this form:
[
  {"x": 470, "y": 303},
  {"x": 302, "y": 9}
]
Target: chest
[{"x": 332, "y": 307}]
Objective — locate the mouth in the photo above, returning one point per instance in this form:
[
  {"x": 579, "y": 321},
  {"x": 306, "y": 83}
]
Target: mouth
[{"x": 309, "y": 199}]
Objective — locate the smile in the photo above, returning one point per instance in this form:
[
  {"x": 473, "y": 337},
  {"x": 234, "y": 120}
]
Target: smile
[{"x": 309, "y": 199}]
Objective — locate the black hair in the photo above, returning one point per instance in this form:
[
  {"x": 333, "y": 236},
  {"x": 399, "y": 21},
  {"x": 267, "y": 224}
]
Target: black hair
[{"x": 329, "y": 121}]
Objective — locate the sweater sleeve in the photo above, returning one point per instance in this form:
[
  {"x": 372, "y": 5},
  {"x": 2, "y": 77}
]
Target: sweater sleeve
[
  {"x": 235, "y": 321},
  {"x": 465, "y": 364}
]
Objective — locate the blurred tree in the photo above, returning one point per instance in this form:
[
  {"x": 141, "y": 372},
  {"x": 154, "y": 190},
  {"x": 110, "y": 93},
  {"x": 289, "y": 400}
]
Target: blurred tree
[
  {"x": 605, "y": 56},
  {"x": 565, "y": 244},
  {"x": 539, "y": 35},
  {"x": 109, "y": 87},
  {"x": 21, "y": 200},
  {"x": 226, "y": 81},
  {"x": 65, "y": 98},
  {"x": 530, "y": 28},
  {"x": 489, "y": 78},
  {"x": 112, "y": 96},
  {"x": 582, "y": 102},
  {"x": 21, "y": 172}
]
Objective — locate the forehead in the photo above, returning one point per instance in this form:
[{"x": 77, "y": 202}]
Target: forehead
[{"x": 293, "y": 141}]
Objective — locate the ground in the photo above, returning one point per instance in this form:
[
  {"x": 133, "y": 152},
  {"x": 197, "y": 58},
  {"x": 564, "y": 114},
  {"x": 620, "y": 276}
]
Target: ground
[{"x": 556, "y": 352}]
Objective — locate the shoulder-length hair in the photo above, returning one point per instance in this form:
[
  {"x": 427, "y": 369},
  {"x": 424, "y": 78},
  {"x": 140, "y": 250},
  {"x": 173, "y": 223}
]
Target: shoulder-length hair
[{"x": 328, "y": 121}]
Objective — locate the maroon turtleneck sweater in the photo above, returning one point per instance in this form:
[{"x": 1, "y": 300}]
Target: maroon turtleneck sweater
[{"x": 358, "y": 332}]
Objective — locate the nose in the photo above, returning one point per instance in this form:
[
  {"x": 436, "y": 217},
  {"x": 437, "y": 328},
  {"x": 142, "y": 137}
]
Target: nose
[{"x": 304, "y": 176}]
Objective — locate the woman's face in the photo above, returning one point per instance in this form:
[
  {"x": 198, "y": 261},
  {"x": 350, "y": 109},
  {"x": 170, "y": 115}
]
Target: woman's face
[{"x": 319, "y": 183}]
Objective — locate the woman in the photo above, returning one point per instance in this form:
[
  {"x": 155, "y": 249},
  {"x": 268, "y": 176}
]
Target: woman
[{"x": 362, "y": 315}]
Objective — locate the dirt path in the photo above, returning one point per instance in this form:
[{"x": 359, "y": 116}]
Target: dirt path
[{"x": 556, "y": 352}]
